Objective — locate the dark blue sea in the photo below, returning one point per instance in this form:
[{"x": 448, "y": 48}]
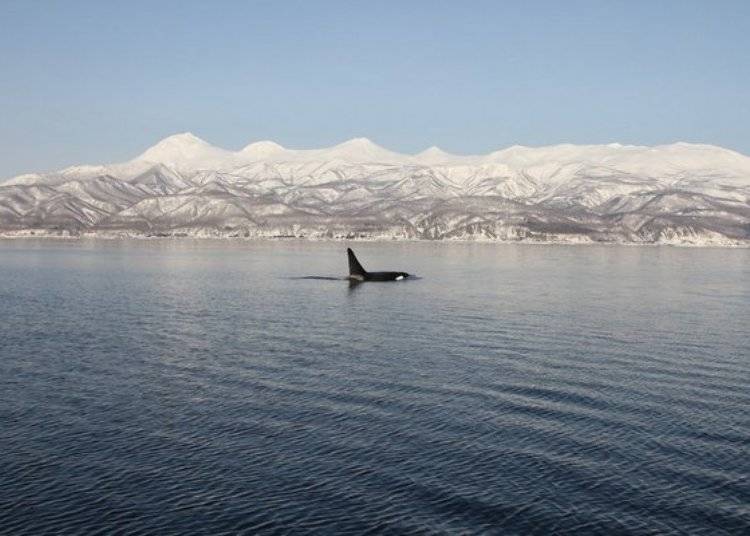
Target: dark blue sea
[{"x": 203, "y": 387}]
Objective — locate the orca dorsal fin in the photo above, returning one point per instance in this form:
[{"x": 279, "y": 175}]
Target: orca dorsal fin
[{"x": 355, "y": 269}]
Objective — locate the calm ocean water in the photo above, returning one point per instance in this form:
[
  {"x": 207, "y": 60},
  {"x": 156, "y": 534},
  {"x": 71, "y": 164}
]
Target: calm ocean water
[{"x": 180, "y": 387}]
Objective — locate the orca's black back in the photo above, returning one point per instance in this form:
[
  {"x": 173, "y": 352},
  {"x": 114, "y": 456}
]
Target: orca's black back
[{"x": 385, "y": 276}]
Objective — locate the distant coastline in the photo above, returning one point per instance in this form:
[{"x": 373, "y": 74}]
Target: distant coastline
[{"x": 530, "y": 241}]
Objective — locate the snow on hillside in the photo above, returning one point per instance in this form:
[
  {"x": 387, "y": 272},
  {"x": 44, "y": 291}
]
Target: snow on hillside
[{"x": 676, "y": 194}]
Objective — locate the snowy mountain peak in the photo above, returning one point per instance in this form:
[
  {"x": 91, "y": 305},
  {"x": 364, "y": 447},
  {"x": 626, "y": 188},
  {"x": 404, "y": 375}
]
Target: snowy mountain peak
[
  {"x": 185, "y": 151},
  {"x": 433, "y": 151},
  {"x": 262, "y": 149},
  {"x": 359, "y": 143},
  {"x": 434, "y": 155},
  {"x": 182, "y": 139},
  {"x": 356, "y": 147},
  {"x": 359, "y": 150},
  {"x": 183, "y": 144}
]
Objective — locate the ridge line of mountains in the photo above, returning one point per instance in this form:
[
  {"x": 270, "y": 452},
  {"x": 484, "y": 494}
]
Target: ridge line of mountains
[{"x": 683, "y": 194}]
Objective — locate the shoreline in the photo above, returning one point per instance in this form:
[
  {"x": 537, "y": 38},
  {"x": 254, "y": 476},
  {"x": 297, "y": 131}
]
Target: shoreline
[{"x": 528, "y": 242}]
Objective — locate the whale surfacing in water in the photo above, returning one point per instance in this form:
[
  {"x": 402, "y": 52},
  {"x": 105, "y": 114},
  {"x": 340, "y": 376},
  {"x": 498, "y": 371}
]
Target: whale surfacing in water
[{"x": 357, "y": 273}]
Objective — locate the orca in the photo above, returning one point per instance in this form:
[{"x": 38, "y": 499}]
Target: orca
[{"x": 358, "y": 274}]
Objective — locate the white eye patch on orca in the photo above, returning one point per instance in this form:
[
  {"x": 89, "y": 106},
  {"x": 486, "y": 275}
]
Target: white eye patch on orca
[{"x": 399, "y": 278}]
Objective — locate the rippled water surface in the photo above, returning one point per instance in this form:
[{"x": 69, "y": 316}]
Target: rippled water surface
[{"x": 176, "y": 387}]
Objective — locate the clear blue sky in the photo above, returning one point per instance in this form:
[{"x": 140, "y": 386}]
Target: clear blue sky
[{"x": 90, "y": 82}]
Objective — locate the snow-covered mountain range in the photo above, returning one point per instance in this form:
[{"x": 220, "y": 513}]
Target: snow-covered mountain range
[{"x": 183, "y": 186}]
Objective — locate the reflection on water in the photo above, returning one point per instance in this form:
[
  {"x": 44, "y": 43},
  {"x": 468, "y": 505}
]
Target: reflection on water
[{"x": 180, "y": 386}]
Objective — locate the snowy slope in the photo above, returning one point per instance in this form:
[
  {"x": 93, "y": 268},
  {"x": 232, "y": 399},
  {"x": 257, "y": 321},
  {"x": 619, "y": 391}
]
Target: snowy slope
[{"x": 678, "y": 194}]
